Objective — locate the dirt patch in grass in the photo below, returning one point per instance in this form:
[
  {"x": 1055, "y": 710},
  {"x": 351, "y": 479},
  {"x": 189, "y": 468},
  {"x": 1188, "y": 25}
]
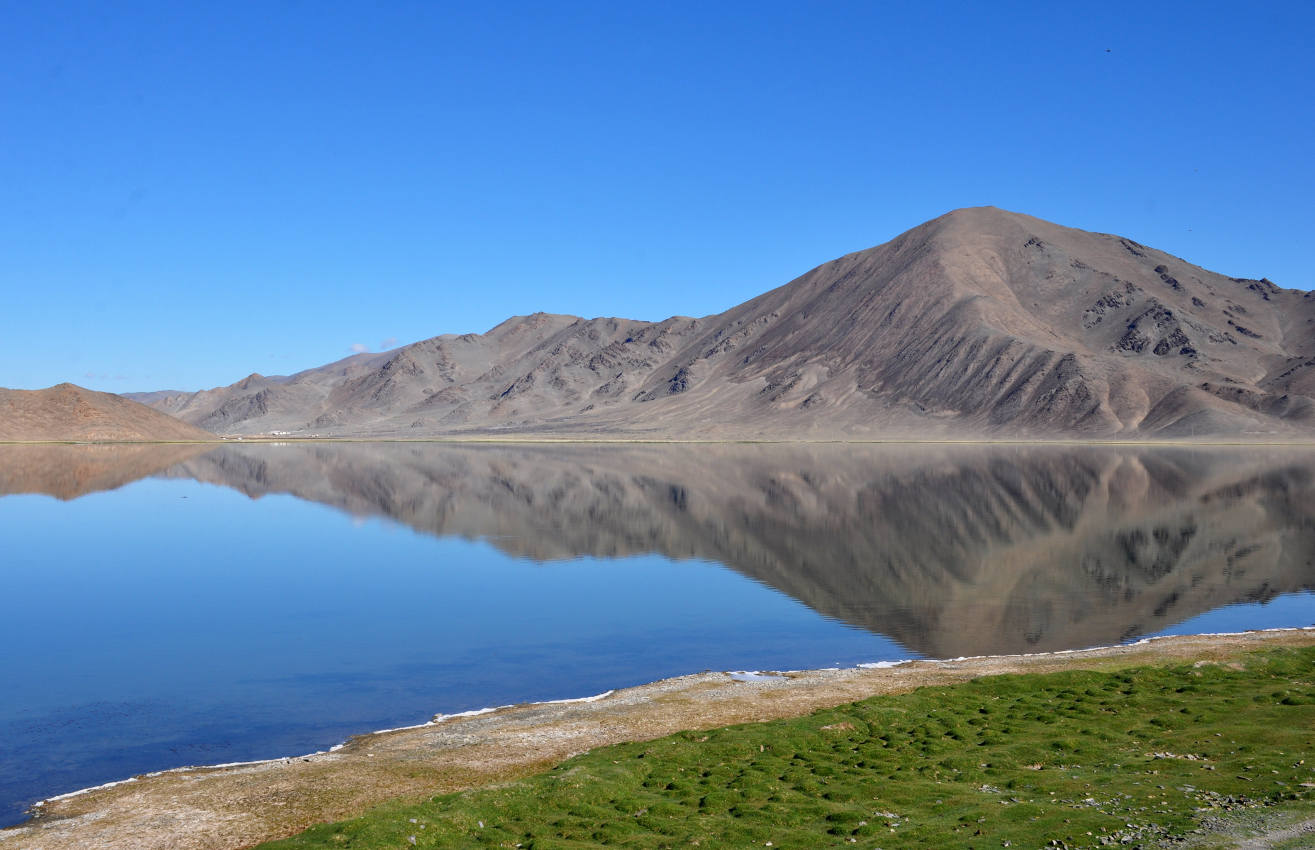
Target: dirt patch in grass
[
  {"x": 241, "y": 806},
  {"x": 1265, "y": 828}
]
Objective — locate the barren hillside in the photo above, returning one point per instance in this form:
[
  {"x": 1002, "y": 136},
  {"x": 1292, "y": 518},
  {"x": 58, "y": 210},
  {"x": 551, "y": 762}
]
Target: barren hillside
[
  {"x": 979, "y": 323},
  {"x": 69, "y": 412}
]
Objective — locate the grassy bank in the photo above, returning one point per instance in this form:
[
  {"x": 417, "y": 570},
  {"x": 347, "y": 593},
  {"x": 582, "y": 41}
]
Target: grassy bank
[{"x": 1072, "y": 759}]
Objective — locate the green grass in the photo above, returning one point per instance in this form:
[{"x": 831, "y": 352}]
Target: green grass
[{"x": 1076, "y": 759}]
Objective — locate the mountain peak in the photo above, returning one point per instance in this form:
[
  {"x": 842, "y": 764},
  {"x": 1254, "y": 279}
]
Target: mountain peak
[
  {"x": 986, "y": 220},
  {"x": 986, "y": 210}
]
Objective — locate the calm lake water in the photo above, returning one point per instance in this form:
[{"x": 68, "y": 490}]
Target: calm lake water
[{"x": 199, "y": 605}]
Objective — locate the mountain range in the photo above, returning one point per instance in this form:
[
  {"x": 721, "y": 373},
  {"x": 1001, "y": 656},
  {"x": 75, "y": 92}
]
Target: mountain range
[{"x": 979, "y": 323}]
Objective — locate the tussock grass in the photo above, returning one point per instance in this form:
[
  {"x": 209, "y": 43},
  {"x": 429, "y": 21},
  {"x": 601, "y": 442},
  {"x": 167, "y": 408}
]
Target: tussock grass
[{"x": 1073, "y": 759}]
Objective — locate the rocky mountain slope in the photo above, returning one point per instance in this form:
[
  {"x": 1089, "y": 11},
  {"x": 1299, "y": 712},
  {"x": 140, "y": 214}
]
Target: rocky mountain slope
[
  {"x": 979, "y": 323},
  {"x": 69, "y": 412}
]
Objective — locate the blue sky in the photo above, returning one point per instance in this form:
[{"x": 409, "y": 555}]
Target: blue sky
[{"x": 195, "y": 191}]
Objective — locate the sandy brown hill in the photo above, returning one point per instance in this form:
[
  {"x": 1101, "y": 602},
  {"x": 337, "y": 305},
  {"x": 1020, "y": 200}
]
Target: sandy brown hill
[
  {"x": 69, "y": 412},
  {"x": 979, "y": 323}
]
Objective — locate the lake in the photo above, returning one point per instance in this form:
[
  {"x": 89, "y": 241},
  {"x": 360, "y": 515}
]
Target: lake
[{"x": 176, "y": 605}]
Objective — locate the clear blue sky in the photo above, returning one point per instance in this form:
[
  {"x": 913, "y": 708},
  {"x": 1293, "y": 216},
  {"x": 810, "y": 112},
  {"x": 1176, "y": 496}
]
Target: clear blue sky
[{"x": 195, "y": 191}]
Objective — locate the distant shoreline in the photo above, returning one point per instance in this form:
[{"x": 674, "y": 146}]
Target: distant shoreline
[{"x": 234, "y": 806}]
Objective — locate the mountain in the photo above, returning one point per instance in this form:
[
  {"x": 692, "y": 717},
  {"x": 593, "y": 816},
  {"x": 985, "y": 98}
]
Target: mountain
[
  {"x": 979, "y": 323},
  {"x": 69, "y": 412}
]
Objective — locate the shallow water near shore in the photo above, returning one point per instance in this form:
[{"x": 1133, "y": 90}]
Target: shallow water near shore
[{"x": 221, "y": 604}]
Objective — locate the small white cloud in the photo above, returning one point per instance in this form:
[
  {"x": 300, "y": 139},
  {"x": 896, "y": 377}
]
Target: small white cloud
[
  {"x": 359, "y": 348},
  {"x": 388, "y": 343}
]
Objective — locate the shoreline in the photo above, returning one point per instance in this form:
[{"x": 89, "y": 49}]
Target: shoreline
[
  {"x": 433, "y": 721},
  {"x": 236, "y": 805},
  {"x": 735, "y": 676}
]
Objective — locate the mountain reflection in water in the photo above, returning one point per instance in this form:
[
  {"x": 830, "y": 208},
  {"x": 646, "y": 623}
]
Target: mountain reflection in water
[{"x": 949, "y": 550}]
